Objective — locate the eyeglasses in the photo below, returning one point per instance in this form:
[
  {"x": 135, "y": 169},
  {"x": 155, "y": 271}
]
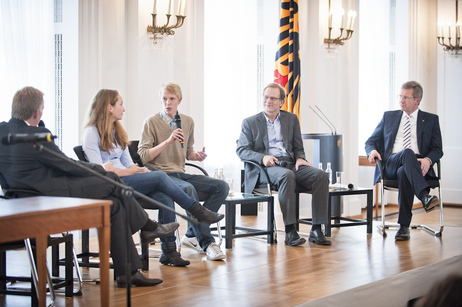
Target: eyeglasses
[
  {"x": 272, "y": 99},
  {"x": 405, "y": 97}
]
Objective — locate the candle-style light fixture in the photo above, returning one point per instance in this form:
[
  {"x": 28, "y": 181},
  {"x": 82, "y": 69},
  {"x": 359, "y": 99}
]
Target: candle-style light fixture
[
  {"x": 348, "y": 27},
  {"x": 455, "y": 44},
  {"x": 166, "y": 28}
]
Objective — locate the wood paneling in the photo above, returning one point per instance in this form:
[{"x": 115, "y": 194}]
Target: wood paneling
[{"x": 258, "y": 274}]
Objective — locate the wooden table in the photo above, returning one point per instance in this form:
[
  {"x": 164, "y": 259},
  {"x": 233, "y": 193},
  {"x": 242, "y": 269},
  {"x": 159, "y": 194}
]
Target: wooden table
[{"x": 38, "y": 217}]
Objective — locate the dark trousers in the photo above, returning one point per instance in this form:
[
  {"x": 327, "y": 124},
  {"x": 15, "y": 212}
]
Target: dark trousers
[
  {"x": 202, "y": 188},
  {"x": 404, "y": 167},
  {"x": 307, "y": 178},
  {"x": 98, "y": 188}
]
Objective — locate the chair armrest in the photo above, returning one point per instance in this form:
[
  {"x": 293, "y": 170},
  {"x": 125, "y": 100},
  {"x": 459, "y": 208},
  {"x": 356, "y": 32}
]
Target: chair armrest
[
  {"x": 378, "y": 163},
  {"x": 262, "y": 171},
  {"x": 198, "y": 167},
  {"x": 438, "y": 171},
  {"x": 18, "y": 193}
]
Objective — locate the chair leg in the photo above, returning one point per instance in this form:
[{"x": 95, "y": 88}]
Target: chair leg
[
  {"x": 438, "y": 233},
  {"x": 382, "y": 206},
  {"x": 220, "y": 237},
  {"x": 384, "y": 226}
]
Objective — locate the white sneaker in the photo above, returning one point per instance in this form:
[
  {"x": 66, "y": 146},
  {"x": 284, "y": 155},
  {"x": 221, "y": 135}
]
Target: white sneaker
[
  {"x": 214, "y": 252},
  {"x": 192, "y": 243}
]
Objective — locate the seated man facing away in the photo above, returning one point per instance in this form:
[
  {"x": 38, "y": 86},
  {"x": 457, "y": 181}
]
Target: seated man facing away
[
  {"x": 273, "y": 136},
  {"x": 165, "y": 146},
  {"x": 408, "y": 142},
  {"x": 24, "y": 167}
]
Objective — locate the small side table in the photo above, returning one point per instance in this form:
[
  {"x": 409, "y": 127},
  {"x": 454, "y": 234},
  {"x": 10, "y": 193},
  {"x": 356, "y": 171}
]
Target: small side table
[
  {"x": 230, "y": 217},
  {"x": 350, "y": 221}
]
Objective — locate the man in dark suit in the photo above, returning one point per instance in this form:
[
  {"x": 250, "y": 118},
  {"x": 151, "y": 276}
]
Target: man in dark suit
[
  {"x": 274, "y": 136},
  {"x": 408, "y": 142},
  {"x": 24, "y": 167}
]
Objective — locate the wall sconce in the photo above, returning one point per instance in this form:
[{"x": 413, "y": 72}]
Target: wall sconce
[
  {"x": 349, "y": 27},
  {"x": 450, "y": 47},
  {"x": 166, "y": 29}
]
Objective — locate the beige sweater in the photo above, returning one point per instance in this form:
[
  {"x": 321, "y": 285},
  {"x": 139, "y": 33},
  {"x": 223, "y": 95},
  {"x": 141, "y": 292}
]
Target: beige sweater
[{"x": 172, "y": 159}]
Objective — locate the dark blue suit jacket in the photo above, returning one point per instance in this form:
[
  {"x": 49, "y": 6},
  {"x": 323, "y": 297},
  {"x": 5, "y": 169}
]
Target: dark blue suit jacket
[
  {"x": 24, "y": 167},
  {"x": 428, "y": 137}
]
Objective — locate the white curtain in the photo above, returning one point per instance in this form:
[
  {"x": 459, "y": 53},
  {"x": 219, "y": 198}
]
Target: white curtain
[{"x": 27, "y": 52}]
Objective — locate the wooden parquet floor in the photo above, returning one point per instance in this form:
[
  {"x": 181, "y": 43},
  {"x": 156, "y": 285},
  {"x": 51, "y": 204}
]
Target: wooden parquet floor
[{"x": 258, "y": 274}]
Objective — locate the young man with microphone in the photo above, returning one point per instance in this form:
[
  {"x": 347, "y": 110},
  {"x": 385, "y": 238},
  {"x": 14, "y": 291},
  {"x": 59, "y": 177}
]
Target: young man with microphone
[
  {"x": 273, "y": 139},
  {"x": 166, "y": 142}
]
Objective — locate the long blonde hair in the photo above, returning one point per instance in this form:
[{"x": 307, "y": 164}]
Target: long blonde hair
[{"x": 110, "y": 131}]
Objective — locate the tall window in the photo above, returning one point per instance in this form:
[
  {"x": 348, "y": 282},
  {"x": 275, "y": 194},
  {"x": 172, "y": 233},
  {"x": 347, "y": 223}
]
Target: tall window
[
  {"x": 233, "y": 88},
  {"x": 27, "y": 52},
  {"x": 39, "y": 48},
  {"x": 383, "y": 34}
]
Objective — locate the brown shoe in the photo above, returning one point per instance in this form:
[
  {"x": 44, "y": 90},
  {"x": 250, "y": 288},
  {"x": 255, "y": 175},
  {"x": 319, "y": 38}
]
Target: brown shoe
[
  {"x": 162, "y": 231},
  {"x": 138, "y": 279}
]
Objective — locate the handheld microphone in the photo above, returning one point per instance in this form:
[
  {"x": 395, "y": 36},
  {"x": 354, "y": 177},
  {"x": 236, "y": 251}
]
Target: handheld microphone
[
  {"x": 177, "y": 120},
  {"x": 137, "y": 160},
  {"x": 19, "y": 138},
  {"x": 281, "y": 163}
]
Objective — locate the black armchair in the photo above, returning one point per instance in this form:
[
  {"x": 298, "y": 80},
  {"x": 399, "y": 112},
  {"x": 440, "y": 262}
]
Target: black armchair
[
  {"x": 85, "y": 255},
  {"x": 392, "y": 185}
]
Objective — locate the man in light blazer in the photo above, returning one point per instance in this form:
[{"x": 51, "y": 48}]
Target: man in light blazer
[
  {"x": 407, "y": 159},
  {"x": 271, "y": 137}
]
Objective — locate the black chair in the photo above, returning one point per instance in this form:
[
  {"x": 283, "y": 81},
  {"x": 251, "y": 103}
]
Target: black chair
[
  {"x": 133, "y": 148},
  {"x": 268, "y": 189},
  {"x": 85, "y": 255},
  {"x": 54, "y": 280},
  {"x": 392, "y": 185}
]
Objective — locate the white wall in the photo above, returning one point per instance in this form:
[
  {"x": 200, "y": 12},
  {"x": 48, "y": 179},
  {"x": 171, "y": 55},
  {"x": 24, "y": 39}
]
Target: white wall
[{"x": 116, "y": 53}]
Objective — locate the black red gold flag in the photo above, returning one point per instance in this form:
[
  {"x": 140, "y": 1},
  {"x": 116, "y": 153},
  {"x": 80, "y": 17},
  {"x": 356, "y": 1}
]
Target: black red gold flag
[{"x": 287, "y": 70}]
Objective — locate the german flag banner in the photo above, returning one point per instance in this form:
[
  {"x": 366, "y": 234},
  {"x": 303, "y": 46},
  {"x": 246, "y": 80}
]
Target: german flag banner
[{"x": 287, "y": 70}]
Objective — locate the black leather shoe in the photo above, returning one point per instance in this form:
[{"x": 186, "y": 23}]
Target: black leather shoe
[
  {"x": 139, "y": 280},
  {"x": 403, "y": 233},
  {"x": 316, "y": 236},
  {"x": 293, "y": 239},
  {"x": 162, "y": 231},
  {"x": 170, "y": 255},
  {"x": 429, "y": 202}
]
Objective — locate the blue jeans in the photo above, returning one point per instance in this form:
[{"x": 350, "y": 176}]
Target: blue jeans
[
  {"x": 160, "y": 187},
  {"x": 202, "y": 188}
]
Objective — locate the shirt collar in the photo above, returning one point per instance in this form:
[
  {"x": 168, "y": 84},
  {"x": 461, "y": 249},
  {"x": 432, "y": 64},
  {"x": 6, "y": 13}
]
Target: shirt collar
[
  {"x": 413, "y": 114},
  {"x": 167, "y": 119},
  {"x": 268, "y": 121}
]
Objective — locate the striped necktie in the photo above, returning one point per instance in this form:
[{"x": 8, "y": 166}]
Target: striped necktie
[{"x": 407, "y": 133}]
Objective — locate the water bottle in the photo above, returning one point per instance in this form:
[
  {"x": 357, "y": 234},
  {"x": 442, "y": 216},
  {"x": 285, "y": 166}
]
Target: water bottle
[
  {"x": 215, "y": 174},
  {"x": 221, "y": 176},
  {"x": 320, "y": 165},
  {"x": 329, "y": 173}
]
